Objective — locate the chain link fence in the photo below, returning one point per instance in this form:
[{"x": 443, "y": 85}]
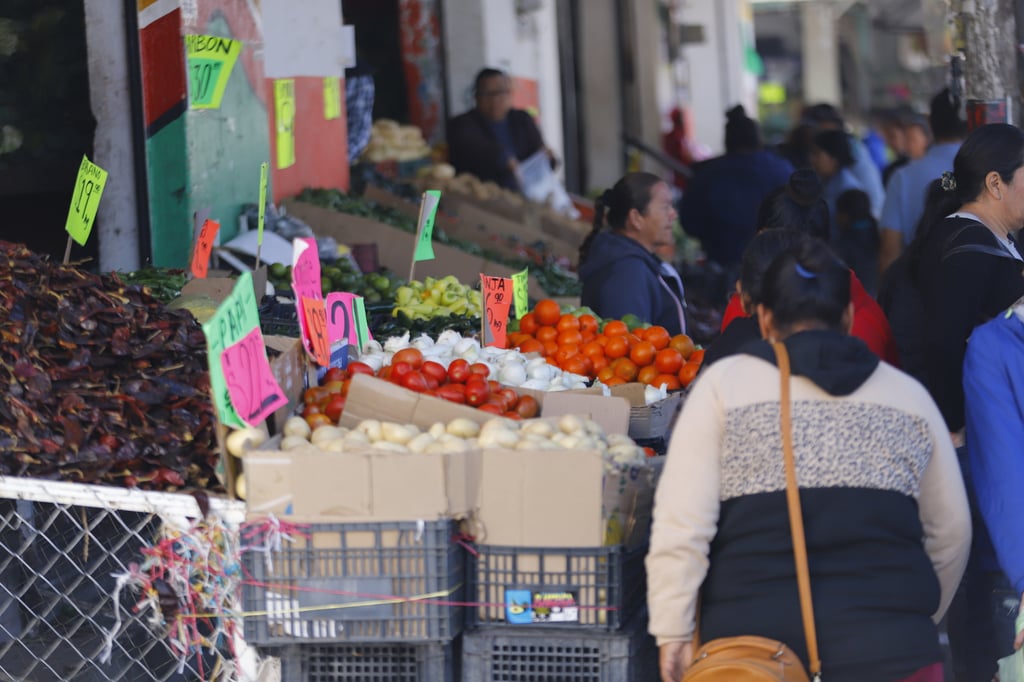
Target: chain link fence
[{"x": 61, "y": 546}]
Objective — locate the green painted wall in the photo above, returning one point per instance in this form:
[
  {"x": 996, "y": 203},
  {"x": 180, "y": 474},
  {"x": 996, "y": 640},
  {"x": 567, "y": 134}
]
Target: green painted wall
[{"x": 169, "y": 202}]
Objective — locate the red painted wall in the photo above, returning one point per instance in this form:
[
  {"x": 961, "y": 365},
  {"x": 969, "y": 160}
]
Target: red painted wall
[{"x": 321, "y": 146}]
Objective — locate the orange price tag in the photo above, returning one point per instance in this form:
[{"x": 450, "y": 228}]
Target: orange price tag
[
  {"x": 497, "y": 294},
  {"x": 203, "y": 247},
  {"x": 316, "y": 327}
]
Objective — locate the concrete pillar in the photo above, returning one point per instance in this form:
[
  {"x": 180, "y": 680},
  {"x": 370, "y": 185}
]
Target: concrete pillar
[
  {"x": 110, "y": 95},
  {"x": 820, "y": 53},
  {"x": 600, "y": 96},
  {"x": 990, "y": 67}
]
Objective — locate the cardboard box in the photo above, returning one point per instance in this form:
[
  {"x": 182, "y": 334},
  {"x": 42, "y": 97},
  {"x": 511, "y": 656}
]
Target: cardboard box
[
  {"x": 309, "y": 483},
  {"x": 395, "y": 247},
  {"x": 649, "y": 421},
  {"x": 565, "y": 498},
  {"x": 372, "y": 398},
  {"x": 292, "y": 370}
]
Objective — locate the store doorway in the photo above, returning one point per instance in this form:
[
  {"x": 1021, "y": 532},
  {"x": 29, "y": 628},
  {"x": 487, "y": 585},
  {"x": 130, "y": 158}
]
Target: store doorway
[{"x": 46, "y": 122}]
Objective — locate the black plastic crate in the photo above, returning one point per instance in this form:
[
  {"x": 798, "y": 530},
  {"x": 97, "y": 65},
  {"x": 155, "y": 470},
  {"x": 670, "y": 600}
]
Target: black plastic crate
[
  {"x": 560, "y": 655},
  {"x": 397, "y": 662},
  {"x": 279, "y": 318},
  {"x": 598, "y": 588},
  {"x": 357, "y": 582}
]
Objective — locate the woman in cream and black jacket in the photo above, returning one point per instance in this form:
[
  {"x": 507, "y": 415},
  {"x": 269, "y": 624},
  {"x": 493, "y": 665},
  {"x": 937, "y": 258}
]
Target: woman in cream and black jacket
[{"x": 884, "y": 507}]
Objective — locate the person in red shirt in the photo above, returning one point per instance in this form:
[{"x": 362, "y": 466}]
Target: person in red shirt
[
  {"x": 676, "y": 143},
  {"x": 798, "y": 205}
]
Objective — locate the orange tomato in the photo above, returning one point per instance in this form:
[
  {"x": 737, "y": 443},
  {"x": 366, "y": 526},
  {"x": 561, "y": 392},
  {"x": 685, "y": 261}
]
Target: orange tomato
[
  {"x": 671, "y": 382},
  {"x": 546, "y": 333},
  {"x": 633, "y": 339},
  {"x": 565, "y": 352},
  {"x": 639, "y": 332},
  {"x": 616, "y": 328},
  {"x": 603, "y": 340},
  {"x": 642, "y": 353},
  {"x": 668, "y": 361},
  {"x": 577, "y": 364},
  {"x": 696, "y": 356},
  {"x": 567, "y": 323},
  {"x": 528, "y": 323},
  {"x": 515, "y": 338},
  {"x": 659, "y": 336},
  {"x": 599, "y": 362},
  {"x": 646, "y": 374},
  {"x": 605, "y": 374},
  {"x": 683, "y": 344},
  {"x": 614, "y": 381},
  {"x": 592, "y": 349},
  {"x": 531, "y": 345},
  {"x": 547, "y": 312},
  {"x": 588, "y": 323},
  {"x": 550, "y": 348},
  {"x": 617, "y": 347},
  {"x": 688, "y": 373},
  {"x": 626, "y": 369},
  {"x": 570, "y": 336}
]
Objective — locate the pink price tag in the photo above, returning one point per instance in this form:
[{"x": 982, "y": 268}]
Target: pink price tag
[
  {"x": 305, "y": 282},
  {"x": 252, "y": 387},
  {"x": 341, "y": 322}
]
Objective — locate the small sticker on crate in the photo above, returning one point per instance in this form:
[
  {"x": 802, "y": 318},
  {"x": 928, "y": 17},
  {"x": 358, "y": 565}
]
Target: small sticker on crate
[{"x": 525, "y": 607}]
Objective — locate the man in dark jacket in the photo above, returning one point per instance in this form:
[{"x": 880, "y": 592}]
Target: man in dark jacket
[{"x": 491, "y": 139}]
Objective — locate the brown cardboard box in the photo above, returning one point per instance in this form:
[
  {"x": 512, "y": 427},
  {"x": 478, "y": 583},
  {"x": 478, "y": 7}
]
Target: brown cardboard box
[
  {"x": 369, "y": 485},
  {"x": 649, "y": 421},
  {"x": 293, "y": 372},
  {"x": 558, "y": 498},
  {"x": 395, "y": 247}
]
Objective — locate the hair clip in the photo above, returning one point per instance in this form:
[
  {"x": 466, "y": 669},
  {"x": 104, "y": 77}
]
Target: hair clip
[
  {"x": 805, "y": 273},
  {"x": 948, "y": 182}
]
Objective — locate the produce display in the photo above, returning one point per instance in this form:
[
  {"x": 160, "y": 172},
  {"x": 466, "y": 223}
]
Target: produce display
[
  {"x": 553, "y": 278},
  {"x": 611, "y": 351},
  {"x": 569, "y": 432},
  {"x": 437, "y": 298},
  {"x": 389, "y": 140},
  {"x": 342, "y": 275},
  {"x": 103, "y": 382}
]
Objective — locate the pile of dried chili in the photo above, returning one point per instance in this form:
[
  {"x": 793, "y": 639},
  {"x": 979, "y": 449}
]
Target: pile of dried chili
[{"x": 101, "y": 383}]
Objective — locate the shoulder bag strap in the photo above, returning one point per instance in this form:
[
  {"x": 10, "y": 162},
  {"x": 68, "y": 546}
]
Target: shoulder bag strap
[{"x": 796, "y": 521}]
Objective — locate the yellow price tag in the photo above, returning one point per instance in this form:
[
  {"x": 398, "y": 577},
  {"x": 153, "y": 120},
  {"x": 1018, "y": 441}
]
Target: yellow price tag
[
  {"x": 85, "y": 200},
  {"x": 332, "y": 98},
  {"x": 284, "y": 115},
  {"x": 210, "y": 62},
  {"x": 520, "y": 293}
]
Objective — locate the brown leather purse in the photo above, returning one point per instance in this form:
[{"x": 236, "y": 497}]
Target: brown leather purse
[{"x": 759, "y": 659}]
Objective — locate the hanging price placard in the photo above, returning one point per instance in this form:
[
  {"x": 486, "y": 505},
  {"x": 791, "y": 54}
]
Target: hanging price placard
[
  {"x": 284, "y": 117},
  {"x": 341, "y": 326},
  {"x": 332, "y": 98},
  {"x": 316, "y": 324},
  {"x": 203, "y": 247},
  {"x": 520, "y": 284},
  {"x": 85, "y": 200},
  {"x": 233, "y": 320},
  {"x": 305, "y": 282},
  {"x": 497, "y": 298},
  {"x": 255, "y": 393},
  {"x": 210, "y": 62}
]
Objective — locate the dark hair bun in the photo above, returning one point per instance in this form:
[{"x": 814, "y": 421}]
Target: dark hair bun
[
  {"x": 737, "y": 113},
  {"x": 804, "y": 187}
]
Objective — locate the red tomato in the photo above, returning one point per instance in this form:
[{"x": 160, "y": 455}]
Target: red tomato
[
  {"x": 494, "y": 385},
  {"x": 334, "y": 387},
  {"x": 432, "y": 383},
  {"x": 458, "y": 371},
  {"x": 511, "y": 397},
  {"x": 385, "y": 373},
  {"x": 491, "y": 408},
  {"x": 512, "y": 415},
  {"x": 434, "y": 370},
  {"x": 359, "y": 368},
  {"x": 452, "y": 394},
  {"x": 499, "y": 400},
  {"x": 477, "y": 393},
  {"x": 310, "y": 409},
  {"x": 335, "y": 374},
  {"x": 414, "y": 381},
  {"x": 527, "y": 407},
  {"x": 314, "y": 395},
  {"x": 411, "y": 355},
  {"x": 317, "y": 420},
  {"x": 399, "y": 370},
  {"x": 480, "y": 368},
  {"x": 335, "y": 407}
]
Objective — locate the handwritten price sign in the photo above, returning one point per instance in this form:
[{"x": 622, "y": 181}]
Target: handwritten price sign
[
  {"x": 255, "y": 394},
  {"x": 497, "y": 293},
  {"x": 203, "y": 247},
  {"x": 284, "y": 115},
  {"x": 332, "y": 98},
  {"x": 305, "y": 282},
  {"x": 236, "y": 317},
  {"x": 341, "y": 319},
  {"x": 316, "y": 321},
  {"x": 520, "y": 282},
  {"x": 210, "y": 61},
  {"x": 85, "y": 201}
]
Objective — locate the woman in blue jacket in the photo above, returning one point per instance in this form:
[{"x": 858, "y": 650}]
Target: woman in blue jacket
[{"x": 618, "y": 267}]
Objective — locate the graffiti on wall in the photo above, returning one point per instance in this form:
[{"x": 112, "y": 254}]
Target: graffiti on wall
[{"x": 421, "y": 56}]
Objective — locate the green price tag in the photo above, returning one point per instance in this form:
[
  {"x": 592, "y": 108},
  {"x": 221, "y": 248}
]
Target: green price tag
[
  {"x": 332, "y": 98},
  {"x": 210, "y": 62},
  {"x": 263, "y": 202},
  {"x": 520, "y": 282},
  {"x": 85, "y": 200},
  {"x": 284, "y": 114},
  {"x": 362, "y": 328},
  {"x": 235, "y": 318},
  {"x": 425, "y": 229}
]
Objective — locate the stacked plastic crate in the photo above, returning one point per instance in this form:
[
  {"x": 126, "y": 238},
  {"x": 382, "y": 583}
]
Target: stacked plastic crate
[
  {"x": 360, "y": 601},
  {"x": 567, "y": 614}
]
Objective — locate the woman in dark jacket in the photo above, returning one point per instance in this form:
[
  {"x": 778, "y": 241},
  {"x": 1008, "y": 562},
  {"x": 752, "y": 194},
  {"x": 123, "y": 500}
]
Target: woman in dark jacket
[{"x": 620, "y": 272}]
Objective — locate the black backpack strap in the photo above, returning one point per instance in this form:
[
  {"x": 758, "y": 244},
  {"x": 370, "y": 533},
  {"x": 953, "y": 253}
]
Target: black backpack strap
[{"x": 977, "y": 248}]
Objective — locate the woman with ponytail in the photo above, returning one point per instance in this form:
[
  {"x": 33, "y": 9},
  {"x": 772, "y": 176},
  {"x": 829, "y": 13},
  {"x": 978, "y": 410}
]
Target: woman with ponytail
[{"x": 618, "y": 267}]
